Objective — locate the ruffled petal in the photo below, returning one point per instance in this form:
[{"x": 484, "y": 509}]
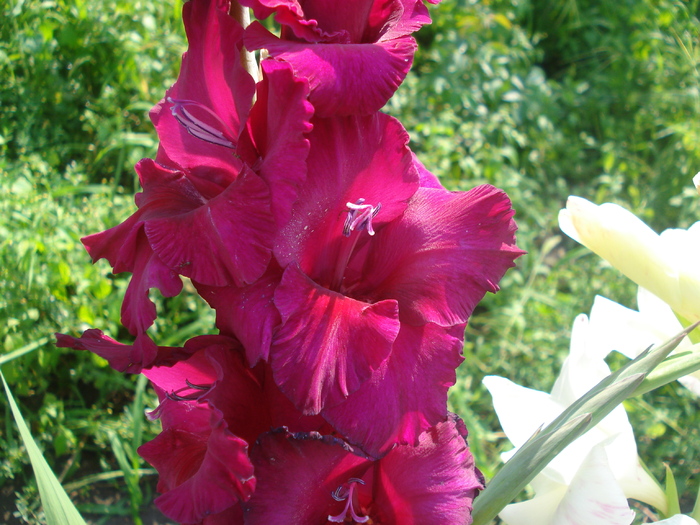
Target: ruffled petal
[
  {"x": 442, "y": 256},
  {"x": 204, "y": 469},
  {"x": 412, "y": 386},
  {"x": 328, "y": 344},
  {"x": 225, "y": 240},
  {"x": 431, "y": 484},
  {"x": 274, "y": 142},
  {"x": 138, "y": 311},
  {"x": 344, "y": 78}
]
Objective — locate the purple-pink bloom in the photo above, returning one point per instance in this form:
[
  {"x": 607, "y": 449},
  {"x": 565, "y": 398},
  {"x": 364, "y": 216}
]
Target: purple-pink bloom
[
  {"x": 354, "y": 54},
  {"x": 204, "y": 468},
  {"x": 367, "y": 255},
  {"x": 212, "y": 407},
  {"x": 326, "y": 480},
  {"x": 224, "y": 179}
]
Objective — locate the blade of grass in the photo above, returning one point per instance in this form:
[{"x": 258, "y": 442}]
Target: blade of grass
[
  {"x": 24, "y": 350},
  {"x": 58, "y": 507}
]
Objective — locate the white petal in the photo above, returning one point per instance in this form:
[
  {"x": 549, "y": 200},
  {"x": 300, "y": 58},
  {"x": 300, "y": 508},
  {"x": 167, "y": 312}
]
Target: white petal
[
  {"x": 583, "y": 368},
  {"x": 594, "y": 497},
  {"x": 521, "y": 411},
  {"x": 539, "y": 510}
]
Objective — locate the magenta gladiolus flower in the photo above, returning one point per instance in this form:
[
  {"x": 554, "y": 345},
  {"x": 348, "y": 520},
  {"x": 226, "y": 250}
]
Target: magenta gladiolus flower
[
  {"x": 215, "y": 195},
  {"x": 367, "y": 250},
  {"x": 354, "y": 54},
  {"x": 213, "y": 406},
  {"x": 370, "y": 264},
  {"x": 326, "y": 480}
]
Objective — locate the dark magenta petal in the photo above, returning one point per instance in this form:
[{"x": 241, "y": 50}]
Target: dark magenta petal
[
  {"x": 122, "y": 357},
  {"x": 427, "y": 179},
  {"x": 138, "y": 311},
  {"x": 127, "y": 249},
  {"x": 407, "y": 395},
  {"x": 431, "y": 484},
  {"x": 204, "y": 469},
  {"x": 297, "y": 475},
  {"x": 442, "y": 256},
  {"x": 247, "y": 313},
  {"x": 351, "y": 158},
  {"x": 231, "y": 516},
  {"x": 226, "y": 240},
  {"x": 211, "y": 75},
  {"x": 248, "y": 398},
  {"x": 328, "y": 344},
  {"x": 275, "y": 141},
  {"x": 344, "y": 79}
]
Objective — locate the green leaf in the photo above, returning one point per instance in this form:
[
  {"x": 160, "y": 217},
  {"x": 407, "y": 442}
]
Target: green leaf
[
  {"x": 696, "y": 509},
  {"x": 532, "y": 457},
  {"x": 674, "y": 367},
  {"x": 58, "y": 507},
  {"x": 671, "y": 491}
]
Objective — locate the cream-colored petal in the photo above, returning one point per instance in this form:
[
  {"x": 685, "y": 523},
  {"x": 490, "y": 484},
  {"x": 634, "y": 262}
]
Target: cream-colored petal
[
  {"x": 538, "y": 510},
  {"x": 622, "y": 239}
]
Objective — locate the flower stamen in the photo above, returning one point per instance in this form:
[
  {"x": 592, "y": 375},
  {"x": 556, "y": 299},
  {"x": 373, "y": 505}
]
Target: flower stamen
[
  {"x": 360, "y": 216},
  {"x": 197, "y": 127},
  {"x": 344, "y": 493},
  {"x": 175, "y": 395}
]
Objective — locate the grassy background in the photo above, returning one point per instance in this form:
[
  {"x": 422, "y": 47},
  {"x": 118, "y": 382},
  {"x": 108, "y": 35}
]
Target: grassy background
[{"x": 544, "y": 98}]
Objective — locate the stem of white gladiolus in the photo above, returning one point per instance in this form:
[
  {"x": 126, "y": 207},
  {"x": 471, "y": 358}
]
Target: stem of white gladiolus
[{"x": 582, "y": 415}]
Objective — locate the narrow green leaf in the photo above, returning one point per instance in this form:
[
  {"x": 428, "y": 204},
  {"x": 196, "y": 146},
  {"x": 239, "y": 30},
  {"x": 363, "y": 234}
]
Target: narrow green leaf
[
  {"x": 24, "y": 350},
  {"x": 58, "y": 507},
  {"x": 671, "y": 491},
  {"x": 532, "y": 457},
  {"x": 672, "y": 368},
  {"x": 637, "y": 368}
]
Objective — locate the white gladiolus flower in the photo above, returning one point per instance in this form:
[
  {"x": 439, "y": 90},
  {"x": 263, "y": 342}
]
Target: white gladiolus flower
[
  {"x": 583, "y": 476},
  {"x": 630, "y": 332}
]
